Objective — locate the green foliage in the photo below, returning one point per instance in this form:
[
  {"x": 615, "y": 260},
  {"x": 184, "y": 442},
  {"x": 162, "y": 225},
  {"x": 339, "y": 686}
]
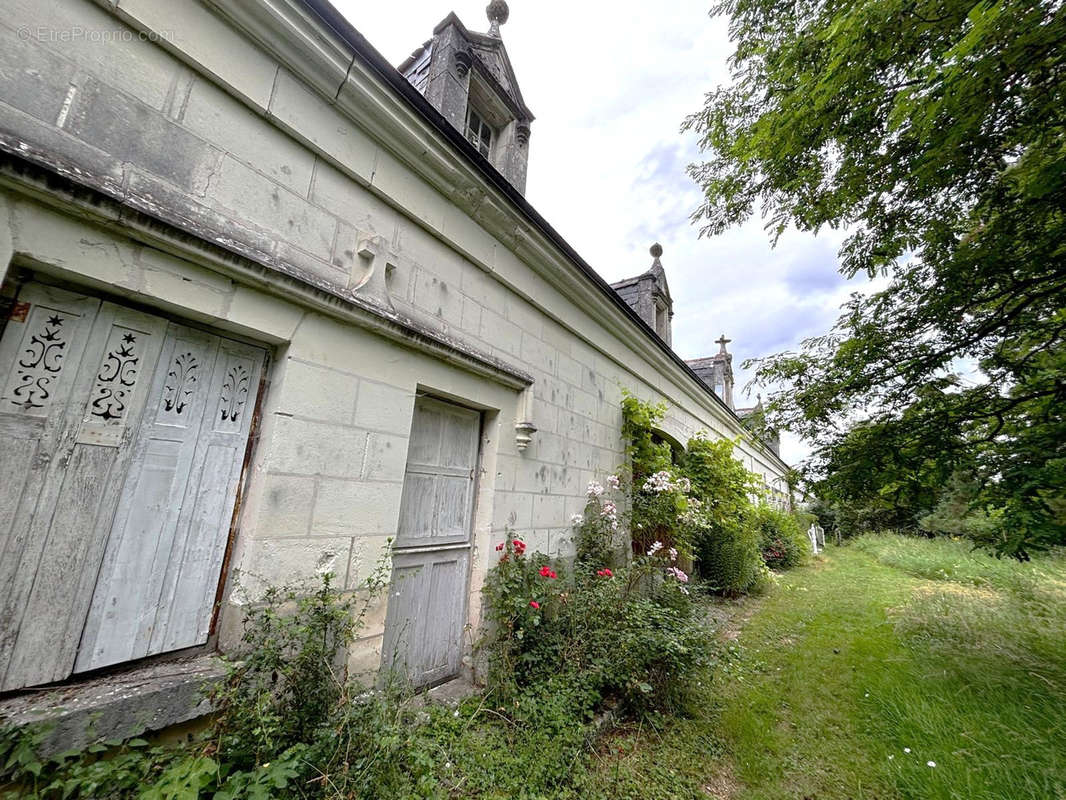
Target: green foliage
[
  {"x": 850, "y": 677},
  {"x": 729, "y": 558},
  {"x": 724, "y": 535},
  {"x": 629, "y": 637},
  {"x": 289, "y": 723},
  {"x": 934, "y": 131},
  {"x": 647, "y": 454},
  {"x": 289, "y": 679},
  {"x": 782, "y": 542}
]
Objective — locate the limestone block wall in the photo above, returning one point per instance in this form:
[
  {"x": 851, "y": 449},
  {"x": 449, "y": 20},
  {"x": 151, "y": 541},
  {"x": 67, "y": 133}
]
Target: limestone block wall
[{"x": 170, "y": 110}]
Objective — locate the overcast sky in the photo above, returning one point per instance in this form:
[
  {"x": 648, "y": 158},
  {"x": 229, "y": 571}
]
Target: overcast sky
[{"x": 610, "y": 84}]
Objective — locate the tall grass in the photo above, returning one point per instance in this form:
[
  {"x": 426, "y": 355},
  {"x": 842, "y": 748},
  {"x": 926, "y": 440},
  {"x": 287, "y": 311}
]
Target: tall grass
[{"x": 988, "y": 640}]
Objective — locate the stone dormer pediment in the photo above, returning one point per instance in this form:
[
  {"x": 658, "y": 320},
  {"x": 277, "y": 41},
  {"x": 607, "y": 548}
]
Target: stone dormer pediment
[{"x": 463, "y": 72}]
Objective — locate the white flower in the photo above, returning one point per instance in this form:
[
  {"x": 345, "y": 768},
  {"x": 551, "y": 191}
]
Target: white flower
[
  {"x": 673, "y": 554},
  {"x": 655, "y": 548},
  {"x": 906, "y": 749},
  {"x": 890, "y": 757},
  {"x": 577, "y": 519},
  {"x": 613, "y": 482},
  {"x": 930, "y": 763},
  {"x": 595, "y": 489},
  {"x": 659, "y": 482}
]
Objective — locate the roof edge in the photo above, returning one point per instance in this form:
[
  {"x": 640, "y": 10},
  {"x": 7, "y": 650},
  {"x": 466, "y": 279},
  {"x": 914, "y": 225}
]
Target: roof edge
[{"x": 391, "y": 77}]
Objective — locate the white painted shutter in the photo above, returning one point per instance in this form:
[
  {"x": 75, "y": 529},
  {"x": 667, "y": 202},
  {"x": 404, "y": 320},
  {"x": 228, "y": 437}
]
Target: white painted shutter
[
  {"x": 77, "y": 371},
  {"x": 158, "y": 581}
]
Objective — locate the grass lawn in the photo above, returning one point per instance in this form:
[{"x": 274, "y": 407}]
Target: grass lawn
[{"x": 857, "y": 673}]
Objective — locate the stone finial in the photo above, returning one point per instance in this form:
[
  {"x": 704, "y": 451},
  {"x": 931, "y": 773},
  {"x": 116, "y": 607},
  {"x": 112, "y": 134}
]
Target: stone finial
[
  {"x": 497, "y": 12},
  {"x": 656, "y": 251},
  {"x": 722, "y": 343}
]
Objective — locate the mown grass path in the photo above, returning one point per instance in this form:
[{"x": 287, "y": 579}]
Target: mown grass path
[{"x": 889, "y": 669}]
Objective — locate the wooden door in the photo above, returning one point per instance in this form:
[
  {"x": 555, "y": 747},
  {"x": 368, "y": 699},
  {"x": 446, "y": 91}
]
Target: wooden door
[
  {"x": 74, "y": 373},
  {"x": 427, "y": 600},
  {"x": 123, "y": 438},
  {"x": 157, "y": 584}
]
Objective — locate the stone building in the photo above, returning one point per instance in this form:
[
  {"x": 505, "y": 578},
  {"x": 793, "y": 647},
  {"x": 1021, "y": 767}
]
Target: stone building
[{"x": 269, "y": 305}]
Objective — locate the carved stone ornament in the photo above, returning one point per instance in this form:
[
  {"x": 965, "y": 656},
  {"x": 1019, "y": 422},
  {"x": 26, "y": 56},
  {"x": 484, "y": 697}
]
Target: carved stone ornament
[
  {"x": 524, "y": 434},
  {"x": 522, "y": 133},
  {"x": 463, "y": 62}
]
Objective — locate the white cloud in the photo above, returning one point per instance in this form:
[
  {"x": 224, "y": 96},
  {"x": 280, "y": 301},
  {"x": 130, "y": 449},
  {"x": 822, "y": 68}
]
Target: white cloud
[{"x": 611, "y": 83}]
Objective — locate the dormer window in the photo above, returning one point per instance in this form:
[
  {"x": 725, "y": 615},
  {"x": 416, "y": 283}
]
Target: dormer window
[{"x": 478, "y": 132}]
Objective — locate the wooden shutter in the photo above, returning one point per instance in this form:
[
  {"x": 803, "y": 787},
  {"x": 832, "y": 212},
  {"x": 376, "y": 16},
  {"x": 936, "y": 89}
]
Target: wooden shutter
[
  {"x": 161, "y": 570},
  {"x": 84, "y": 392}
]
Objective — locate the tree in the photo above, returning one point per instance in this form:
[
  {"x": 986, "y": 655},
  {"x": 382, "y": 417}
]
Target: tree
[{"x": 933, "y": 132}]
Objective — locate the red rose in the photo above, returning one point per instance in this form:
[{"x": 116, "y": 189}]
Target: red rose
[
  {"x": 534, "y": 604},
  {"x": 499, "y": 547}
]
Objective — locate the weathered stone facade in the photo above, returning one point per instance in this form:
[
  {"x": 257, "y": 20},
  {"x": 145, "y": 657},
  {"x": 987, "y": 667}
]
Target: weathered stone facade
[{"x": 257, "y": 171}]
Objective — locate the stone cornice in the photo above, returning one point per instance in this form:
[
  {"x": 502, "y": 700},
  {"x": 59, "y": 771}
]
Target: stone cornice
[{"x": 35, "y": 175}]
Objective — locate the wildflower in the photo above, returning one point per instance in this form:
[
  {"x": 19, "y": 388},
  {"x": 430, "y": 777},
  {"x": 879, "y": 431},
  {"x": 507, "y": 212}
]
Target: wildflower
[
  {"x": 673, "y": 554},
  {"x": 595, "y": 489},
  {"x": 685, "y": 591},
  {"x": 577, "y": 519},
  {"x": 534, "y": 604},
  {"x": 655, "y": 548},
  {"x": 613, "y": 482},
  {"x": 930, "y": 763},
  {"x": 906, "y": 749}
]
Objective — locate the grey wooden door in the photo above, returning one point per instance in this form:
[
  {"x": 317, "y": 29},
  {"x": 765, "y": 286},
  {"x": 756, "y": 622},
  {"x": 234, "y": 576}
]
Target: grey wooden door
[
  {"x": 119, "y": 463},
  {"x": 427, "y": 599},
  {"x": 158, "y": 580}
]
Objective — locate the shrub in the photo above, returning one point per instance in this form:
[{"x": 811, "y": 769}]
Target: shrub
[
  {"x": 628, "y": 636},
  {"x": 782, "y": 542},
  {"x": 728, "y": 553}
]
